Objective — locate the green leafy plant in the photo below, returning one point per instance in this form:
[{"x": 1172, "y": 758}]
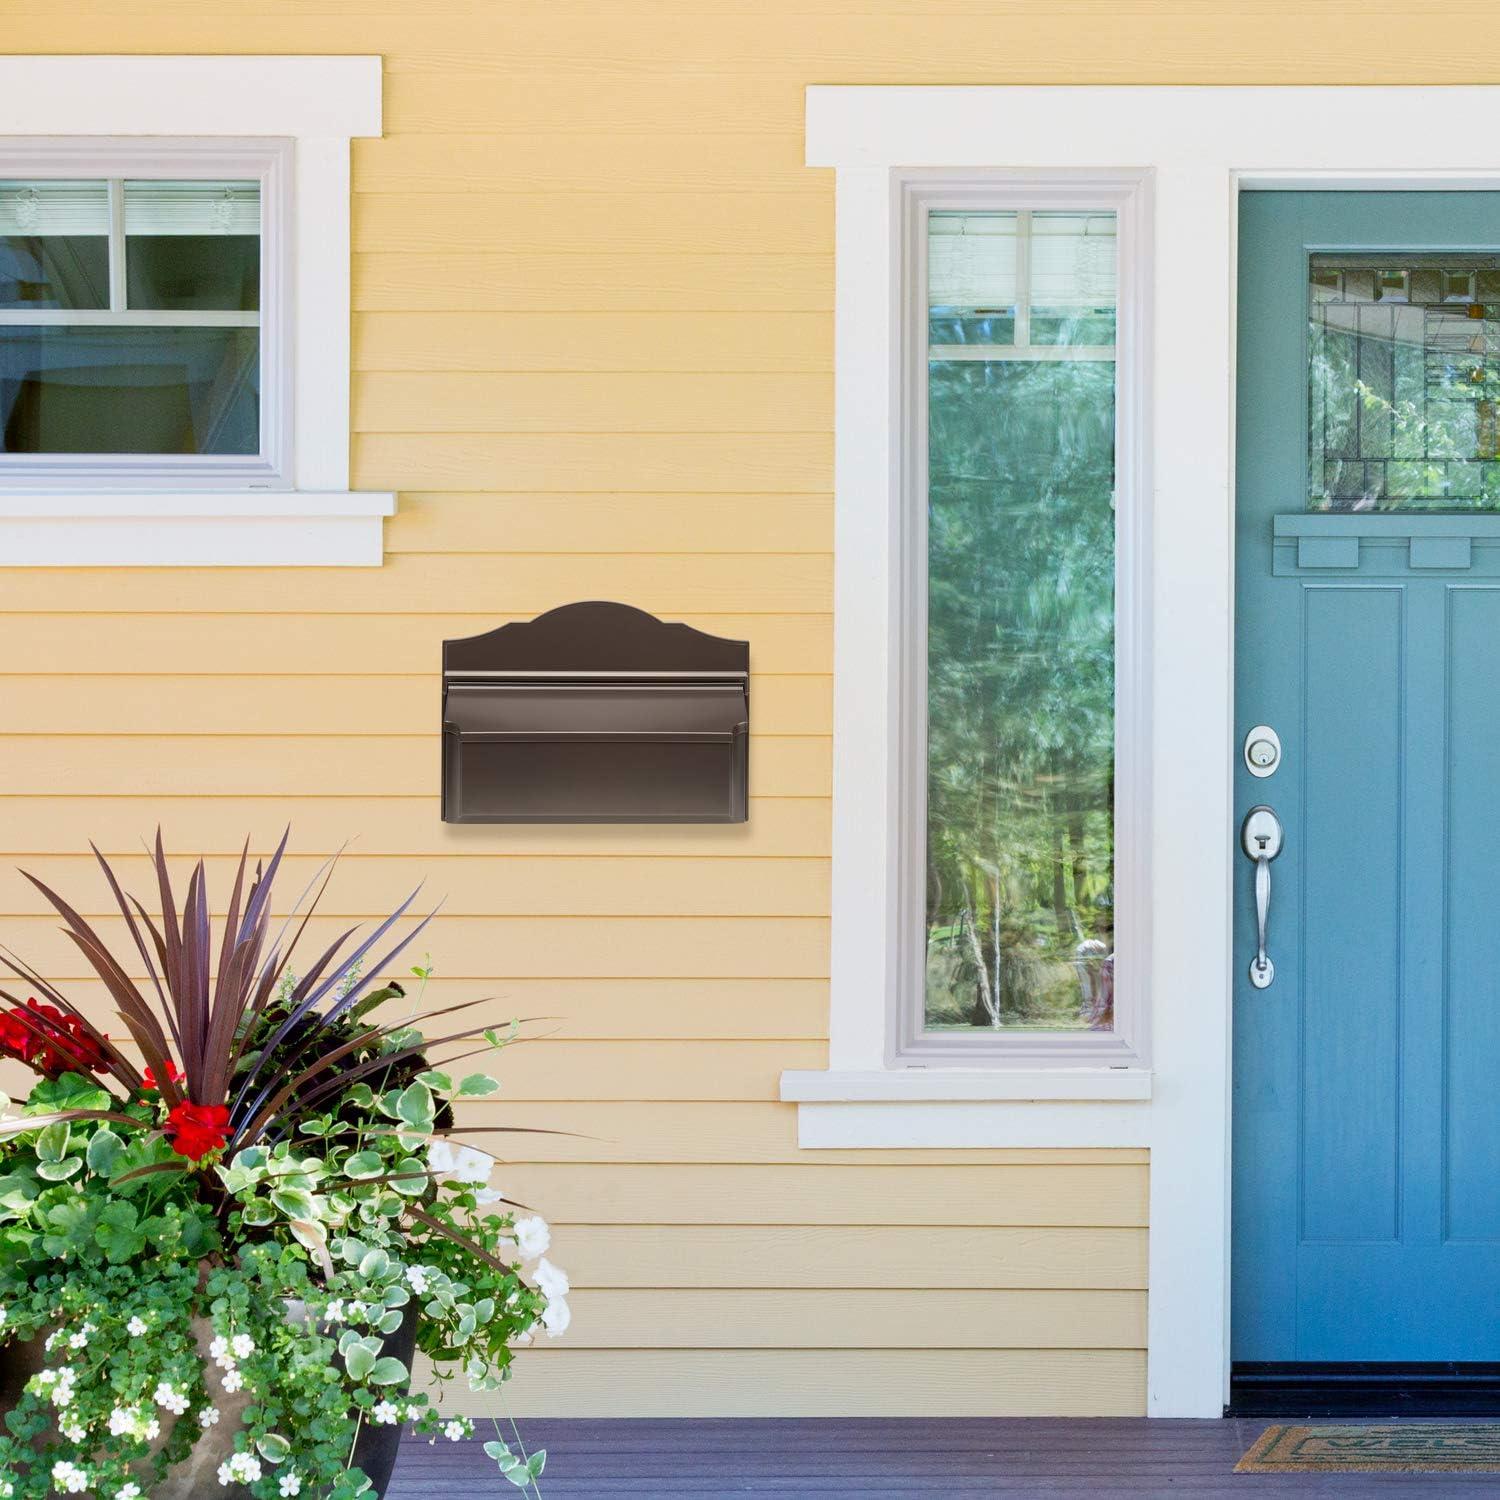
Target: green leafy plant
[{"x": 240, "y": 1229}]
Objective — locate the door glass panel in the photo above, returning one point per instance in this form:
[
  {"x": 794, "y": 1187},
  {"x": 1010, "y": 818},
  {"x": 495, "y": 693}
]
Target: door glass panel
[
  {"x": 1020, "y": 711},
  {"x": 1404, "y": 382}
]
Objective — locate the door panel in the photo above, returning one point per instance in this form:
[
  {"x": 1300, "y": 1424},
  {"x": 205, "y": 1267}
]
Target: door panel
[{"x": 1367, "y": 1075}]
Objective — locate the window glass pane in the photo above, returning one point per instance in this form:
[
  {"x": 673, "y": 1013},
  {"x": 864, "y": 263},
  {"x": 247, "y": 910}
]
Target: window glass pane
[
  {"x": 54, "y": 245},
  {"x": 1020, "y": 774},
  {"x": 1404, "y": 382},
  {"x": 192, "y": 245},
  {"x": 77, "y": 389}
]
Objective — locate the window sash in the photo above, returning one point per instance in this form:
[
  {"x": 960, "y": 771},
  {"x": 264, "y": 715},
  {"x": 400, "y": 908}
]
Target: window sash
[
  {"x": 268, "y": 162},
  {"x": 908, "y": 1042}
]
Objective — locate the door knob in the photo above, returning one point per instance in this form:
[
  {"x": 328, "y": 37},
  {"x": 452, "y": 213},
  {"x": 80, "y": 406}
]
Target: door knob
[{"x": 1261, "y": 839}]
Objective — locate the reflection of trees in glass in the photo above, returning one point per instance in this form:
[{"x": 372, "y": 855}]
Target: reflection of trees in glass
[{"x": 1021, "y": 688}]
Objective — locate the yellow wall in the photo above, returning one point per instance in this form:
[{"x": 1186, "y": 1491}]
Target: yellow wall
[{"x": 593, "y": 347}]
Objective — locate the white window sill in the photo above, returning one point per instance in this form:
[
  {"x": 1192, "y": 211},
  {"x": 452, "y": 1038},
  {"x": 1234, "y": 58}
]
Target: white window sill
[
  {"x": 193, "y": 529},
  {"x": 956, "y": 1108}
]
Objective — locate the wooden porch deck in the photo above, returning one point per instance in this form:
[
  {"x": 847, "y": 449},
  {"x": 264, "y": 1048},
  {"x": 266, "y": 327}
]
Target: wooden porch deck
[{"x": 1056, "y": 1459}]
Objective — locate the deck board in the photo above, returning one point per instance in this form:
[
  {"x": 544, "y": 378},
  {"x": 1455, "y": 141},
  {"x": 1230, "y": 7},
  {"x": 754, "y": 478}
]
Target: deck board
[{"x": 1056, "y": 1458}]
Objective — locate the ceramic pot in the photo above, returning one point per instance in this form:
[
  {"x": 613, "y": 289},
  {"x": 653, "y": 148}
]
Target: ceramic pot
[{"x": 197, "y": 1475}]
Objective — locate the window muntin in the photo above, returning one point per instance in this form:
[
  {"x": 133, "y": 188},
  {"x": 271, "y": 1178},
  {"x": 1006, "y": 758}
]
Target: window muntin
[{"x": 1020, "y": 623}]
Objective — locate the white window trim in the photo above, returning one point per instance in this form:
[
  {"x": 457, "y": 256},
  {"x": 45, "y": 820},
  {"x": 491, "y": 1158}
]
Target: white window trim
[
  {"x": 879, "y": 646},
  {"x": 1203, "y": 145},
  {"x": 316, "y": 105}
]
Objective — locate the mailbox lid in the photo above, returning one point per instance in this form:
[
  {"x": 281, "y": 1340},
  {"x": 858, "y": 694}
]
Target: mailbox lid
[{"x": 603, "y": 710}]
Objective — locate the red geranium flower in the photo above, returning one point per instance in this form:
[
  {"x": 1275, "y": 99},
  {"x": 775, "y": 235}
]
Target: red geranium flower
[
  {"x": 197, "y": 1129},
  {"x": 52, "y": 1043},
  {"x": 149, "y": 1084}
]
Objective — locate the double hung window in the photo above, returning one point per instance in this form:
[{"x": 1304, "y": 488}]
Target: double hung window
[{"x": 141, "y": 318}]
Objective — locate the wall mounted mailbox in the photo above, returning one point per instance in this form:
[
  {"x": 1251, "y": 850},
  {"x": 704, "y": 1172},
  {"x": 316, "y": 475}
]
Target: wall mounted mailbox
[{"x": 596, "y": 713}]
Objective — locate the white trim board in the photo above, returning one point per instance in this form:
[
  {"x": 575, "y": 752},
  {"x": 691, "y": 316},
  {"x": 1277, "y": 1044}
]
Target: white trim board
[
  {"x": 1201, "y": 147},
  {"x": 59, "y": 103}
]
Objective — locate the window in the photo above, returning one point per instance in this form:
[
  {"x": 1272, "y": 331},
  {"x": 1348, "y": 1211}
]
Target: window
[
  {"x": 1019, "y": 920},
  {"x": 142, "y": 338},
  {"x": 1013, "y": 700},
  {"x": 1404, "y": 382}
]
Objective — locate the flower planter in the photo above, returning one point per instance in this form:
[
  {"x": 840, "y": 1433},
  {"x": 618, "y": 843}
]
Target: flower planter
[
  {"x": 375, "y": 1449},
  {"x": 248, "y": 1220}
]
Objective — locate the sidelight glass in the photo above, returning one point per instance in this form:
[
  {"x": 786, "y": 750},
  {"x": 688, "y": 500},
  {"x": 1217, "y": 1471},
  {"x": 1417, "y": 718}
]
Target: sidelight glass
[
  {"x": 1404, "y": 382},
  {"x": 1019, "y": 918},
  {"x": 130, "y": 318}
]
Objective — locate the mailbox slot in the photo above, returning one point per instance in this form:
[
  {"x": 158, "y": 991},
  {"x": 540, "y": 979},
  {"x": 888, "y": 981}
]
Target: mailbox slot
[{"x": 528, "y": 740}]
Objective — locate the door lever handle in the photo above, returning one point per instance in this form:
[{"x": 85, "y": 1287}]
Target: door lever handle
[{"x": 1261, "y": 839}]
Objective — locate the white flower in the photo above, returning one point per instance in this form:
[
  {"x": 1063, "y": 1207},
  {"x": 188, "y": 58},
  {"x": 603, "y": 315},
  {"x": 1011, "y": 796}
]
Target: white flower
[
  {"x": 136, "y": 1327},
  {"x": 550, "y": 1281},
  {"x": 463, "y": 1162},
  {"x": 131, "y": 1491},
  {"x": 68, "y": 1478},
  {"x": 232, "y": 1380},
  {"x": 79, "y": 1340},
  {"x": 416, "y": 1277},
  {"x": 455, "y": 1430},
  {"x": 126, "y": 1419},
  {"x": 173, "y": 1400},
  {"x": 335, "y": 1313},
  {"x": 242, "y": 1345},
  {"x": 414, "y": 1410},
  {"x": 533, "y": 1238},
  {"x": 152, "y": 1430},
  {"x": 556, "y": 1316},
  {"x": 208, "y": 1416},
  {"x": 244, "y": 1467},
  {"x": 358, "y": 1312},
  {"x": 487, "y": 1195},
  {"x": 52, "y": 1339},
  {"x": 45, "y": 1378},
  {"x": 71, "y": 1427},
  {"x": 290, "y": 1484},
  {"x": 2, "y": 1316},
  {"x": 386, "y": 1414}
]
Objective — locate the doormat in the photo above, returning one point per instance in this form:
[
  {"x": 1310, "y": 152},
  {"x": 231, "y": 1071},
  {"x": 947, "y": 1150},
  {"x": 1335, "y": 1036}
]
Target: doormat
[{"x": 1398, "y": 1448}]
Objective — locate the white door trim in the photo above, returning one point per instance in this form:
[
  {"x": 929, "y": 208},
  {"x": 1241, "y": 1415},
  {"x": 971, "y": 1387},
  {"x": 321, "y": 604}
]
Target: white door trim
[{"x": 1202, "y": 146}]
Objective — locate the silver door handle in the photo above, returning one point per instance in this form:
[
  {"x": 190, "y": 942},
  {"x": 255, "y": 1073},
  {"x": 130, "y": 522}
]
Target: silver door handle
[{"x": 1261, "y": 839}]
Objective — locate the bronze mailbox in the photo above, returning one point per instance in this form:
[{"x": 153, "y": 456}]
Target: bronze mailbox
[{"x": 596, "y": 713}]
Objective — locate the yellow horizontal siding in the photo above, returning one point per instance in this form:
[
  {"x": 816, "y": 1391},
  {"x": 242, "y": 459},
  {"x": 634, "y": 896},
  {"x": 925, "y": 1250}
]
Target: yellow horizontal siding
[
  {"x": 1079, "y": 1196},
  {"x": 479, "y": 886},
  {"x": 801, "y": 1318},
  {"x": 345, "y": 644},
  {"x": 869, "y": 1382},
  {"x": 670, "y": 584},
  {"x": 602, "y": 339},
  {"x": 626, "y": 403}
]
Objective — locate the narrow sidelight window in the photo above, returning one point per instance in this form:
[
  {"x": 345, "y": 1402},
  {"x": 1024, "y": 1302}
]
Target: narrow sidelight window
[{"x": 1018, "y": 918}]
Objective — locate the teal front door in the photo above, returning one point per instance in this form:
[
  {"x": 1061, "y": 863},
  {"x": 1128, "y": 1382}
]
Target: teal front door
[{"x": 1366, "y": 1192}]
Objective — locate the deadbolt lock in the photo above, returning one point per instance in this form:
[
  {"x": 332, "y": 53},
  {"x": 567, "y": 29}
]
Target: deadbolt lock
[{"x": 1262, "y": 750}]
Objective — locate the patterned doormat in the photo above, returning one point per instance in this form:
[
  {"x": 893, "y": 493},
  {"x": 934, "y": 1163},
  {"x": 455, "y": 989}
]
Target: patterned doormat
[{"x": 1404, "y": 1448}]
